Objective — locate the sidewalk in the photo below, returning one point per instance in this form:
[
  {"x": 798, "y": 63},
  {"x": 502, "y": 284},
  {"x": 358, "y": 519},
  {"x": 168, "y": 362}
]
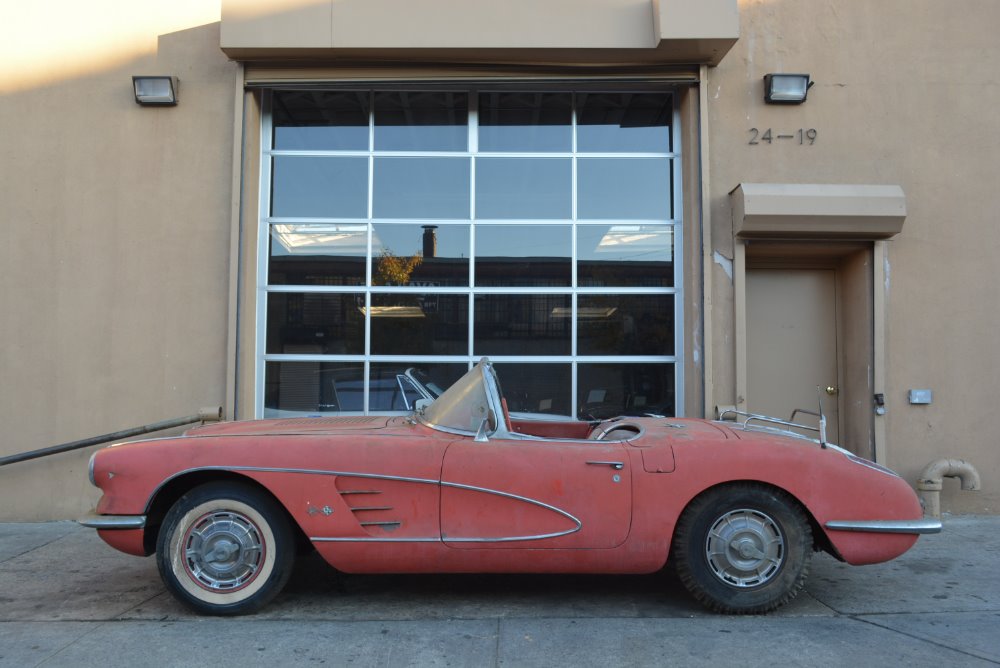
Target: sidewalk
[{"x": 67, "y": 599}]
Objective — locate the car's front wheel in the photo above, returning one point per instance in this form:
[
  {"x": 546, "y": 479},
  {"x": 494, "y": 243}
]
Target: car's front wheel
[
  {"x": 743, "y": 548},
  {"x": 225, "y": 549}
]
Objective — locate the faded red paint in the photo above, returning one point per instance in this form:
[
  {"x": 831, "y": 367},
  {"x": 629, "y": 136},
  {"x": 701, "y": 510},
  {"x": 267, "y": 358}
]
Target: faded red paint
[{"x": 520, "y": 500}]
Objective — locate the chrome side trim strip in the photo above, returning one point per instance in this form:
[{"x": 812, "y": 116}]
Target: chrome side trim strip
[
  {"x": 921, "y": 526},
  {"x": 506, "y": 539},
  {"x": 446, "y": 539},
  {"x": 510, "y": 539},
  {"x": 278, "y": 469},
  {"x": 95, "y": 521},
  {"x": 427, "y": 481},
  {"x": 326, "y": 539}
]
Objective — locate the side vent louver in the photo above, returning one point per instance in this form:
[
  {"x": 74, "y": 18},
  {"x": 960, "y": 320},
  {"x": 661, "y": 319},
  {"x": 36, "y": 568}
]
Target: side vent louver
[{"x": 377, "y": 519}]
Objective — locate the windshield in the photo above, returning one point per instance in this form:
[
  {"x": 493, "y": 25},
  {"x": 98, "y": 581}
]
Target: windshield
[
  {"x": 462, "y": 406},
  {"x": 420, "y": 377}
]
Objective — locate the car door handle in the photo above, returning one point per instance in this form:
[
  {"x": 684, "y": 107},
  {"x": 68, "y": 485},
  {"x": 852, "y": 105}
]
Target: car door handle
[{"x": 618, "y": 466}]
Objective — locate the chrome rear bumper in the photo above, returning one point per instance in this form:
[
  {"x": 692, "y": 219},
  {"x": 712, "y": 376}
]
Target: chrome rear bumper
[
  {"x": 94, "y": 521},
  {"x": 921, "y": 526}
]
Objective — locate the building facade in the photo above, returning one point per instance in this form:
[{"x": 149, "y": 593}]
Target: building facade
[{"x": 351, "y": 196}]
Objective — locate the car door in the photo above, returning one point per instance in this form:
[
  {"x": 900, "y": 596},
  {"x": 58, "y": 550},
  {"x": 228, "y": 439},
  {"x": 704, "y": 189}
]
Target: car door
[{"x": 535, "y": 494}]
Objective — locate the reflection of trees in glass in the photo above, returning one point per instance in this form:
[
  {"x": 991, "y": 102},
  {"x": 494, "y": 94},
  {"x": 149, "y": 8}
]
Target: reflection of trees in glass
[
  {"x": 398, "y": 321},
  {"x": 391, "y": 269}
]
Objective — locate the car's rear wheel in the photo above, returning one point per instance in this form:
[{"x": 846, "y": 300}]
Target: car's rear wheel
[
  {"x": 743, "y": 548},
  {"x": 225, "y": 549}
]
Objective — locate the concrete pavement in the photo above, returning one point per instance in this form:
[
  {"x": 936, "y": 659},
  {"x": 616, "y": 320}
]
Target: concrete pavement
[{"x": 67, "y": 599}]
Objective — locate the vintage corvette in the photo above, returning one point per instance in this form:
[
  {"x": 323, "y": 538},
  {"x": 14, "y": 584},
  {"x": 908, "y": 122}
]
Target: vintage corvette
[{"x": 459, "y": 486}]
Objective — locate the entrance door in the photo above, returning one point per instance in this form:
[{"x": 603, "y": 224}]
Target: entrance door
[{"x": 792, "y": 344}]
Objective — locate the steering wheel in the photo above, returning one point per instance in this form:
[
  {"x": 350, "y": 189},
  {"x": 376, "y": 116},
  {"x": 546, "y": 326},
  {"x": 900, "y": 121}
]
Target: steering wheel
[{"x": 601, "y": 432}]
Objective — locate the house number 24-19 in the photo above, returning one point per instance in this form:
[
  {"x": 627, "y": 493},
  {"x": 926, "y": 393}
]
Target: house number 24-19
[{"x": 801, "y": 136}]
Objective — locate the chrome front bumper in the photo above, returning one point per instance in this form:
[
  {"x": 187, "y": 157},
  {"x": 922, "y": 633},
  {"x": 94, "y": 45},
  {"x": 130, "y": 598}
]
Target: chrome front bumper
[
  {"x": 94, "y": 521},
  {"x": 921, "y": 526}
]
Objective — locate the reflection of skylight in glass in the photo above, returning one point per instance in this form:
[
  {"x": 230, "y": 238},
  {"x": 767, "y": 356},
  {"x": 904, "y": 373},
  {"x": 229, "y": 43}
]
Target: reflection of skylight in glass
[
  {"x": 393, "y": 311},
  {"x": 632, "y": 239},
  {"x": 585, "y": 312},
  {"x": 331, "y": 239}
]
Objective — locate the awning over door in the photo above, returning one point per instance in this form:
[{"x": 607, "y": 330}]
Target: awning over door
[
  {"x": 817, "y": 211},
  {"x": 605, "y": 32}
]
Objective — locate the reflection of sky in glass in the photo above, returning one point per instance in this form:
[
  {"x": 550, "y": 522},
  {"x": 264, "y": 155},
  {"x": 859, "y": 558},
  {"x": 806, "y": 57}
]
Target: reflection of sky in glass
[
  {"x": 523, "y": 241},
  {"x": 615, "y": 139},
  {"x": 525, "y": 122},
  {"x": 337, "y": 138},
  {"x": 421, "y": 188},
  {"x": 523, "y": 255},
  {"x": 624, "y": 122},
  {"x": 320, "y": 120},
  {"x": 524, "y": 188},
  {"x": 623, "y": 188},
  {"x": 319, "y": 187},
  {"x": 406, "y": 239},
  {"x": 419, "y": 121},
  {"x": 421, "y": 138}
]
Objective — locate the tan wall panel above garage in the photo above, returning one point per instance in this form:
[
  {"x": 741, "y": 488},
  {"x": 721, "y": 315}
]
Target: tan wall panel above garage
[{"x": 651, "y": 31}]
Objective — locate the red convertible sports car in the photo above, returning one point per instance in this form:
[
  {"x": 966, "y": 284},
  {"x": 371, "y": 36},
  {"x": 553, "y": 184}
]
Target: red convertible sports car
[{"x": 461, "y": 487}]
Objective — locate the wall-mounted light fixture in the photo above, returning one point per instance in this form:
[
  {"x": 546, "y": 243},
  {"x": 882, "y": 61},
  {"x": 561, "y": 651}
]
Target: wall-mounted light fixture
[
  {"x": 786, "y": 88},
  {"x": 156, "y": 91}
]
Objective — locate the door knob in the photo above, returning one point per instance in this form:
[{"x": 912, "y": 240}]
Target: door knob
[{"x": 831, "y": 390}]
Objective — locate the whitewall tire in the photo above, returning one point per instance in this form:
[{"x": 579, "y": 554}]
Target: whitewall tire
[{"x": 225, "y": 549}]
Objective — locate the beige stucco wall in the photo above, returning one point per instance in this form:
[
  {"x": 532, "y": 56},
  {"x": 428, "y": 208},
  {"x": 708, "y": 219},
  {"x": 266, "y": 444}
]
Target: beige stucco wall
[
  {"x": 116, "y": 221},
  {"x": 905, "y": 94},
  {"x": 115, "y": 282}
]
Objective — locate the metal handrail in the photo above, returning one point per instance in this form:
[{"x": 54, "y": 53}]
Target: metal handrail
[{"x": 213, "y": 414}]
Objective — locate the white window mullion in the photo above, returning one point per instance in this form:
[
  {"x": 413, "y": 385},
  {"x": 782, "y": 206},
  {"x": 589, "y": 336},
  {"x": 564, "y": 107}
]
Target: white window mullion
[
  {"x": 473, "y": 151},
  {"x": 676, "y": 214},
  {"x": 369, "y": 259},
  {"x": 263, "y": 246},
  {"x": 574, "y": 399}
]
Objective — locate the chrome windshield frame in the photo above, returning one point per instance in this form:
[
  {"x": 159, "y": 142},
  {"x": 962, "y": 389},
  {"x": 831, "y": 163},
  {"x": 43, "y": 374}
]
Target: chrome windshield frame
[{"x": 448, "y": 412}]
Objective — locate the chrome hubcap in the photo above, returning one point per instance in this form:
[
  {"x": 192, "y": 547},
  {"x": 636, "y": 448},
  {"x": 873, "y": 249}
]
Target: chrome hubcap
[
  {"x": 223, "y": 551},
  {"x": 745, "y": 548}
]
